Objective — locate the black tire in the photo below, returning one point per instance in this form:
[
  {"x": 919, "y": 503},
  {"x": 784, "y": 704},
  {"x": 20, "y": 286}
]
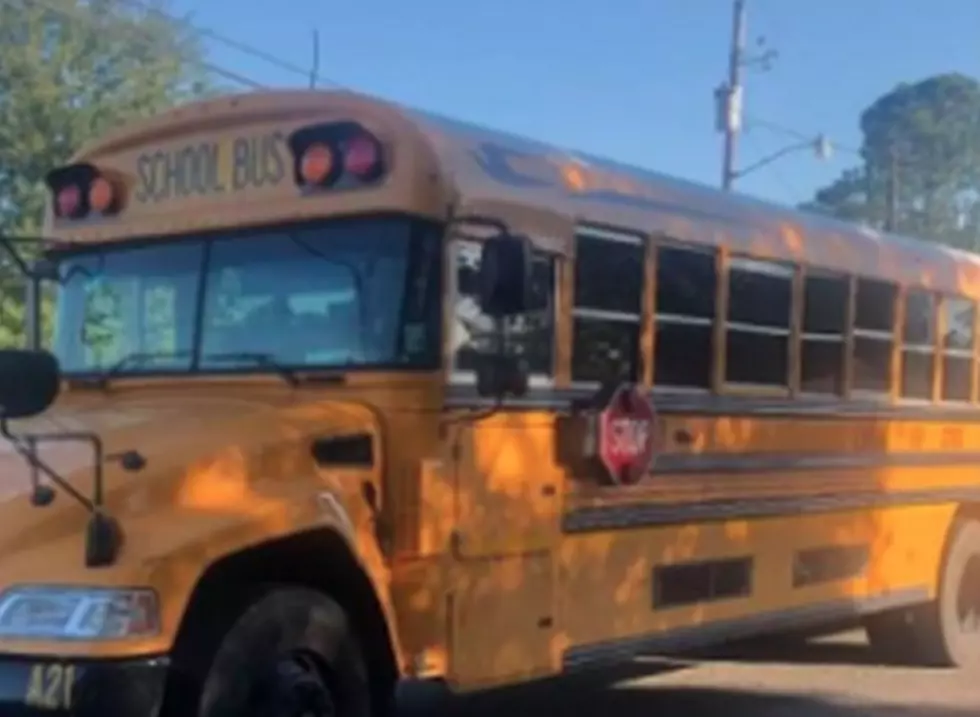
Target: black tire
[
  {"x": 945, "y": 632},
  {"x": 291, "y": 652}
]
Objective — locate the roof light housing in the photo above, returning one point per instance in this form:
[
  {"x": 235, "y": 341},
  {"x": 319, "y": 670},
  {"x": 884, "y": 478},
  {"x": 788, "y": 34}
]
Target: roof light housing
[
  {"x": 336, "y": 156},
  {"x": 82, "y": 191}
]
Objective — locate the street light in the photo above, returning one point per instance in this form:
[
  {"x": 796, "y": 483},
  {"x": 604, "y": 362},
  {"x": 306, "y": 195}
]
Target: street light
[{"x": 820, "y": 145}]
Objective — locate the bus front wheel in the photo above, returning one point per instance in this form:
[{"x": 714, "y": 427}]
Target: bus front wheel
[
  {"x": 292, "y": 653},
  {"x": 945, "y": 632}
]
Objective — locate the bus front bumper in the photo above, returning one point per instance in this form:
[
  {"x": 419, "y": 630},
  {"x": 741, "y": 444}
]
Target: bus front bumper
[{"x": 82, "y": 688}]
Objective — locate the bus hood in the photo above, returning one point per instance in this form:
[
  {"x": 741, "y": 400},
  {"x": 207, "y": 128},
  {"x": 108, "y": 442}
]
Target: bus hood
[{"x": 201, "y": 455}]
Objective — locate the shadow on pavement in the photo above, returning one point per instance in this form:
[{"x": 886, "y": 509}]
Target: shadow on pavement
[
  {"x": 616, "y": 691},
  {"x": 579, "y": 697},
  {"x": 787, "y": 652},
  {"x": 849, "y": 648}
]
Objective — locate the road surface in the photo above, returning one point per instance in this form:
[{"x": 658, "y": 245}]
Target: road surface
[{"x": 835, "y": 677}]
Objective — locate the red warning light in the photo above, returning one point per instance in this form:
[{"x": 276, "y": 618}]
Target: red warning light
[
  {"x": 68, "y": 201},
  {"x": 362, "y": 156},
  {"x": 317, "y": 164}
]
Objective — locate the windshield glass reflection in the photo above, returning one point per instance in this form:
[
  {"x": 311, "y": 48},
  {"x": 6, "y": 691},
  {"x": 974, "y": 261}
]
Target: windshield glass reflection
[{"x": 341, "y": 294}]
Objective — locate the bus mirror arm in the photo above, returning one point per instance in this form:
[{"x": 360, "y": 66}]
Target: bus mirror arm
[
  {"x": 499, "y": 375},
  {"x": 103, "y": 535},
  {"x": 30, "y": 381}
]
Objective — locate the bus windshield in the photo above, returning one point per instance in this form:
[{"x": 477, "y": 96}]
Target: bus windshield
[{"x": 341, "y": 294}]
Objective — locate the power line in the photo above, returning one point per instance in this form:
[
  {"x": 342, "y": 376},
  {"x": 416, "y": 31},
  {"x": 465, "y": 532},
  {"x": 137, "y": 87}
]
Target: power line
[
  {"x": 232, "y": 43},
  {"x": 137, "y": 33}
]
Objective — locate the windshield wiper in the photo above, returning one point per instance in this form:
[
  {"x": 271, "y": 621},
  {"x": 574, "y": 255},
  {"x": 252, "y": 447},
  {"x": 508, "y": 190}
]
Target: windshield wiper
[
  {"x": 136, "y": 359},
  {"x": 262, "y": 359}
]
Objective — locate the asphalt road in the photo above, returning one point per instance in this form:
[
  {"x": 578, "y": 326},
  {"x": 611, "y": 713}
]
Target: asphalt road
[{"x": 834, "y": 677}]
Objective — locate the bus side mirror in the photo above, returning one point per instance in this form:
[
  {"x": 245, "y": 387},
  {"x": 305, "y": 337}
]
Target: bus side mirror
[
  {"x": 505, "y": 276},
  {"x": 30, "y": 381}
]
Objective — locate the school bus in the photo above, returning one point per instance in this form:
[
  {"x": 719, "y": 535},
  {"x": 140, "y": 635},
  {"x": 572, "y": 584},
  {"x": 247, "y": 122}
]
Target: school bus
[{"x": 330, "y": 378}]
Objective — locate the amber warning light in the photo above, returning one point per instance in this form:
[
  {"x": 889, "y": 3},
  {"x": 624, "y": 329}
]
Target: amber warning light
[
  {"x": 81, "y": 191},
  {"x": 340, "y": 155}
]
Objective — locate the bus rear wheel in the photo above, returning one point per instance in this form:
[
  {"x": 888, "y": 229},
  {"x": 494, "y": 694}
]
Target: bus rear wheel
[
  {"x": 945, "y": 632},
  {"x": 291, "y": 653}
]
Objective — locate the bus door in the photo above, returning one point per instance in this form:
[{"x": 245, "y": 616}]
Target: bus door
[{"x": 507, "y": 494}]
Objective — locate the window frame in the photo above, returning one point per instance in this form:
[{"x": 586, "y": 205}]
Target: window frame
[
  {"x": 842, "y": 338},
  {"x": 786, "y": 270},
  {"x": 944, "y": 352},
  {"x": 903, "y": 346},
  {"x": 658, "y": 317},
  {"x": 631, "y": 238},
  {"x": 457, "y": 377},
  {"x": 893, "y": 335}
]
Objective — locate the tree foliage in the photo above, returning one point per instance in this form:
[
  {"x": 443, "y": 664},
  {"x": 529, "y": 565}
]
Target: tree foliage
[
  {"x": 70, "y": 70},
  {"x": 921, "y": 146}
]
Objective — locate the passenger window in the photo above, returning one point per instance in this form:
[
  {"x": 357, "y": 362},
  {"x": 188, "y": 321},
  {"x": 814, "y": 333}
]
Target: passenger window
[
  {"x": 531, "y": 335},
  {"x": 608, "y": 306},
  {"x": 957, "y": 347},
  {"x": 918, "y": 345},
  {"x": 687, "y": 283},
  {"x": 760, "y": 299},
  {"x": 825, "y": 299},
  {"x": 874, "y": 334}
]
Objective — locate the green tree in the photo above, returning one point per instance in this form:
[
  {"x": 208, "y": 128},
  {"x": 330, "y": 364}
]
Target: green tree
[
  {"x": 70, "y": 70},
  {"x": 921, "y": 155}
]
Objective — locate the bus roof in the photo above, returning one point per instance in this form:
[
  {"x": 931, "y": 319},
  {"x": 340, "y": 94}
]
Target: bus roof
[
  {"x": 491, "y": 168},
  {"x": 596, "y": 190}
]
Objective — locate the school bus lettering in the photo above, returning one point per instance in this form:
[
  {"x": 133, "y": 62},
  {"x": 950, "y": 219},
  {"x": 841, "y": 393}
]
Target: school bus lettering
[
  {"x": 258, "y": 161},
  {"x": 445, "y": 376},
  {"x": 49, "y": 686},
  {"x": 210, "y": 168}
]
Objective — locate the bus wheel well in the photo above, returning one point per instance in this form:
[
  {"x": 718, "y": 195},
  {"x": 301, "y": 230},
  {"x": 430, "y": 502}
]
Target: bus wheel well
[
  {"x": 965, "y": 512},
  {"x": 232, "y": 583}
]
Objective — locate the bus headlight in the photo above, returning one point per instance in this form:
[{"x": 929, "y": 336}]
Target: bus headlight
[{"x": 78, "y": 613}]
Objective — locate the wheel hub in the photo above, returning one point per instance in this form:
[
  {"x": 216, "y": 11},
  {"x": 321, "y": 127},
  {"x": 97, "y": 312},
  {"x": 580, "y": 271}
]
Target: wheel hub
[{"x": 298, "y": 689}]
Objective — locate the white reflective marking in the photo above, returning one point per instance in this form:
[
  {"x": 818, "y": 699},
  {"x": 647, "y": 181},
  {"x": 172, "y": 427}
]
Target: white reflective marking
[{"x": 329, "y": 504}]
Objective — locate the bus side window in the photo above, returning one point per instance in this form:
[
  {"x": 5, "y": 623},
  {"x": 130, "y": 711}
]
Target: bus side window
[
  {"x": 757, "y": 330},
  {"x": 532, "y": 335},
  {"x": 825, "y": 299},
  {"x": 957, "y": 346},
  {"x": 918, "y": 344},
  {"x": 874, "y": 335},
  {"x": 687, "y": 282},
  {"x": 608, "y": 306}
]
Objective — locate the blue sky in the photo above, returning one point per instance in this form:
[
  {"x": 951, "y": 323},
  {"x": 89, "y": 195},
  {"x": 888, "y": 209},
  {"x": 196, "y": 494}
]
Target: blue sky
[{"x": 631, "y": 80}]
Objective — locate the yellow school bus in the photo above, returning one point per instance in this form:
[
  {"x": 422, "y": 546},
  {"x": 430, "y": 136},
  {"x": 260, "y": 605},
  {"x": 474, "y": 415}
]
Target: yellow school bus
[{"x": 342, "y": 393}]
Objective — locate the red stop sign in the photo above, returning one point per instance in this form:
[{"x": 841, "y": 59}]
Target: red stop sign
[{"x": 626, "y": 440}]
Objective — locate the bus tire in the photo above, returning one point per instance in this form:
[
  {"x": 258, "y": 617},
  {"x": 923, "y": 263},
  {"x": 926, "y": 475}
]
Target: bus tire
[
  {"x": 946, "y": 631},
  {"x": 292, "y": 651}
]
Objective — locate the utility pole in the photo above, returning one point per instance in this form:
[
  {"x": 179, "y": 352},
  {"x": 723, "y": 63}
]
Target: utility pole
[{"x": 731, "y": 100}]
